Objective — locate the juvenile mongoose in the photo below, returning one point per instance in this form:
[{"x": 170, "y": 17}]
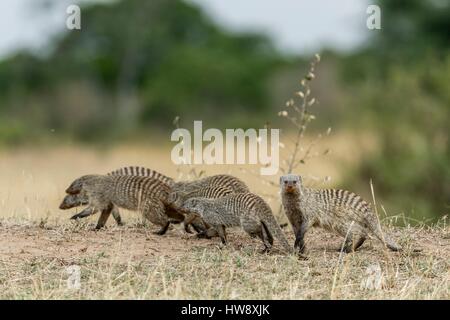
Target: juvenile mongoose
[
  {"x": 246, "y": 210},
  {"x": 136, "y": 193},
  {"x": 176, "y": 200},
  {"x": 339, "y": 211}
]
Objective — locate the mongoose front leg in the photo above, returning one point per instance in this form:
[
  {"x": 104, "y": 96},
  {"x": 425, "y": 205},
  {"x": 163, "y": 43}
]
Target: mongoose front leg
[
  {"x": 359, "y": 242},
  {"x": 188, "y": 221},
  {"x": 300, "y": 237},
  {"x": 163, "y": 230},
  {"x": 208, "y": 233},
  {"x": 116, "y": 215},
  {"x": 85, "y": 213},
  {"x": 198, "y": 224}
]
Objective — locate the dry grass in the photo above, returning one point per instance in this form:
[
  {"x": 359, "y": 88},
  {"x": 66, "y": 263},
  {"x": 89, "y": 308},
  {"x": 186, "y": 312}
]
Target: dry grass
[
  {"x": 131, "y": 263},
  {"x": 38, "y": 242}
]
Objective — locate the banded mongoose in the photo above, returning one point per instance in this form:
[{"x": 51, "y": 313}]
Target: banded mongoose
[
  {"x": 219, "y": 180},
  {"x": 339, "y": 211},
  {"x": 147, "y": 195},
  {"x": 176, "y": 200},
  {"x": 246, "y": 210},
  {"x": 75, "y": 188}
]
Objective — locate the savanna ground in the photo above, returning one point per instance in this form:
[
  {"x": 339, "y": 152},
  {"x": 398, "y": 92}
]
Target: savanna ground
[{"x": 38, "y": 242}]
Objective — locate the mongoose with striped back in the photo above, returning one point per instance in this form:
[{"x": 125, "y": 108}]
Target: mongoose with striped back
[
  {"x": 76, "y": 186},
  {"x": 176, "y": 200},
  {"x": 75, "y": 198},
  {"x": 136, "y": 193},
  {"x": 221, "y": 181},
  {"x": 339, "y": 211},
  {"x": 246, "y": 210}
]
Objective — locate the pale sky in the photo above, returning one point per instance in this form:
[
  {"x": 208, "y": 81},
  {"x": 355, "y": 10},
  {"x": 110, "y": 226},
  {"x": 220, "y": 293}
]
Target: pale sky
[{"x": 296, "y": 26}]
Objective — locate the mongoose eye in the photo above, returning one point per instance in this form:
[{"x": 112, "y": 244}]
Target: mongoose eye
[
  {"x": 295, "y": 182},
  {"x": 285, "y": 182}
]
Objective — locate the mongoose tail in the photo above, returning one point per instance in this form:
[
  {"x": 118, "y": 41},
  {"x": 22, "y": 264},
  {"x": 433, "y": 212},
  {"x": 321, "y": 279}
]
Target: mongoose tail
[
  {"x": 274, "y": 229},
  {"x": 383, "y": 237}
]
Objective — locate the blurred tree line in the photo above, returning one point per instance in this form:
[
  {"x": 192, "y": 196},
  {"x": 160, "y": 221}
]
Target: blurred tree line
[{"x": 135, "y": 65}]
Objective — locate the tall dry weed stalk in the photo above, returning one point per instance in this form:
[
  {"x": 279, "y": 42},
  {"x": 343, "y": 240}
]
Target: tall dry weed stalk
[{"x": 298, "y": 114}]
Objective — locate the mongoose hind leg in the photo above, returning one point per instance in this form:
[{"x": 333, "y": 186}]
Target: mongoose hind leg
[
  {"x": 116, "y": 215},
  {"x": 154, "y": 211},
  {"x": 104, "y": 217}
]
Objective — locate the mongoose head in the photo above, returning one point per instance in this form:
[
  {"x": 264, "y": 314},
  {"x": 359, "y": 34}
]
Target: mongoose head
[
  {"x": 194, "y": 205},
  {"x": 77, "y": 185},
  {"x": 290, "y": 183},
  {"x": 176, "y": 199},
  {"x": 74, "y": 200},
  {"x": 182, "y": 186}
]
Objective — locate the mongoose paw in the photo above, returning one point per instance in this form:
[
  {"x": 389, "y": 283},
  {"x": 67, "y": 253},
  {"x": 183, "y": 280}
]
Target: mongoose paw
[
  {"x": 203, "y": 235},
  {"x": 302, "y": 256},
  {"x": 160, "y": 232},
  {"x": 187, "y": 228},
  {"x": 76, "y": 216},
  {"x": 300, "y": 250},
  {"x": 346, "y": 250}
]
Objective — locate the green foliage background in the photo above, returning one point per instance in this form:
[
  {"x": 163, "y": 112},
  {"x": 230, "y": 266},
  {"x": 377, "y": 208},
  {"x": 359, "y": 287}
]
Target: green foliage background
[{"x": 138, "y": 64}]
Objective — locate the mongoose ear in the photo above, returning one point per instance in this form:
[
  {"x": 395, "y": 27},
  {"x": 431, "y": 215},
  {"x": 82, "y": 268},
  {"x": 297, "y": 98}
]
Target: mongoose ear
[{"x": 281, "y": 179}]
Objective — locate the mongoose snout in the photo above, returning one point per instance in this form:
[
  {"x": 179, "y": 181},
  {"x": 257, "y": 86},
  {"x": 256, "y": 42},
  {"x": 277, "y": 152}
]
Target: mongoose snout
[{"x": 72, "y": 201}]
